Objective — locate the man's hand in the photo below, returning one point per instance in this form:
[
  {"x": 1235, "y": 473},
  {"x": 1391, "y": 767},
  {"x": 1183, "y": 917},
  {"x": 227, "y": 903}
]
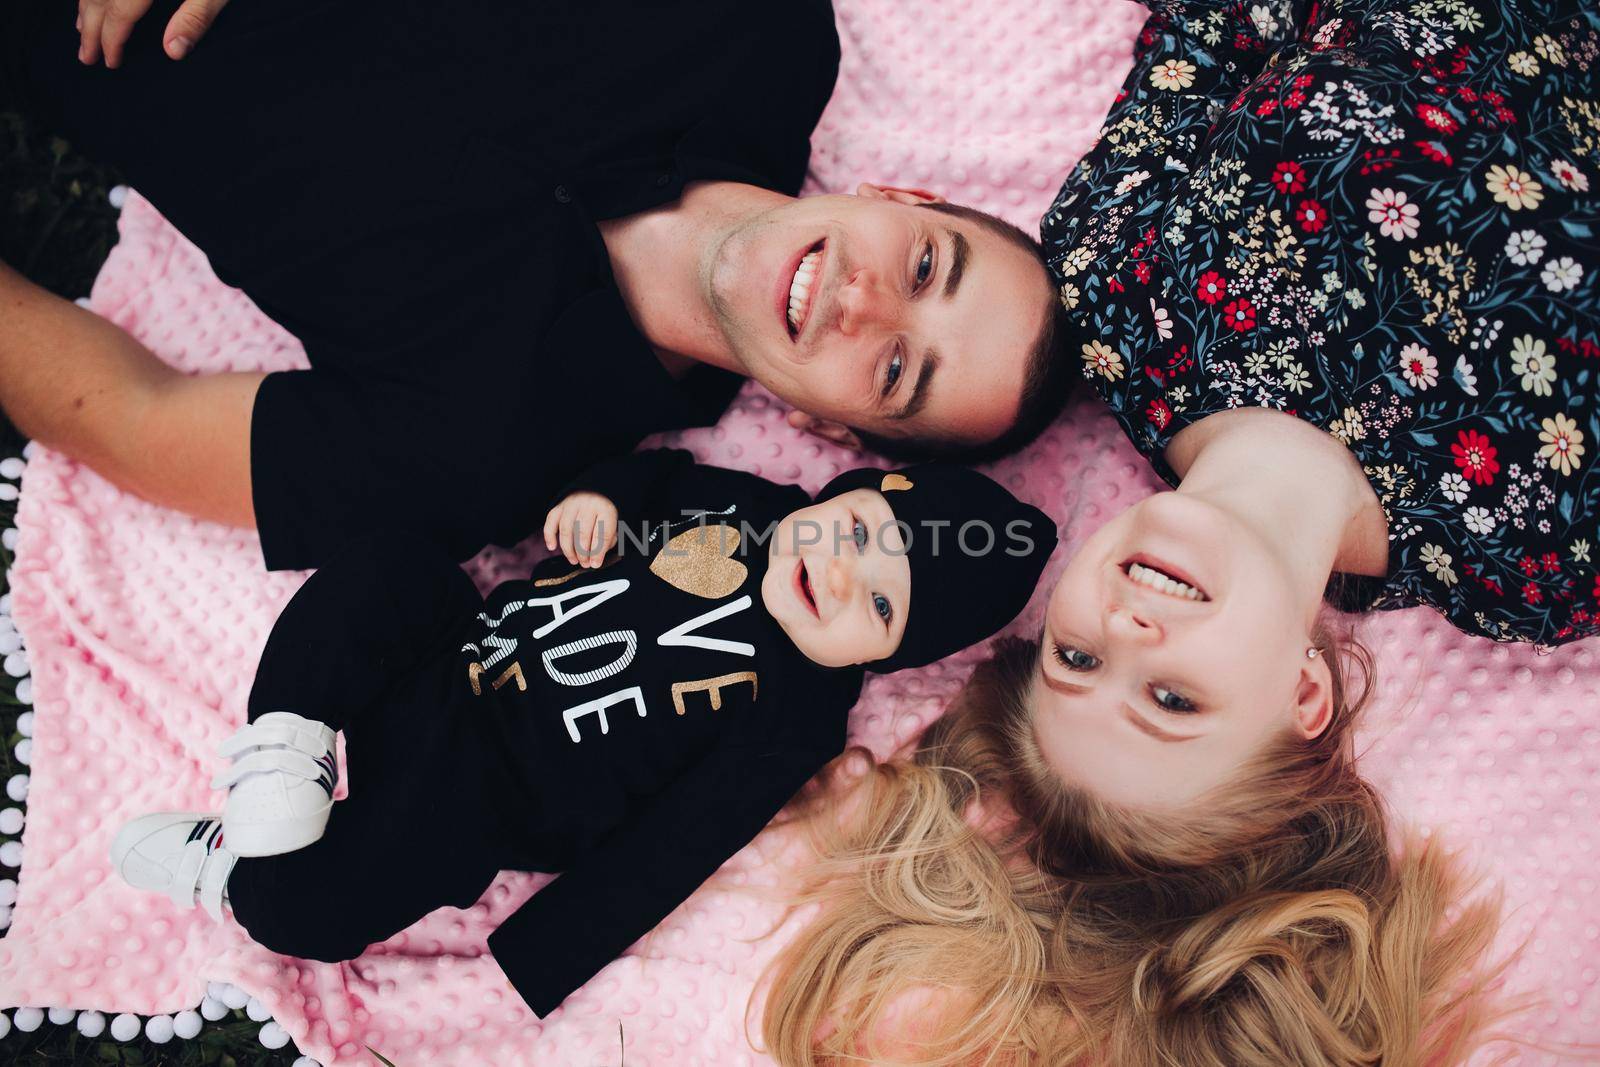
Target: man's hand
[
  {"x": 584, "y": 525},
  {"x": 104, "y": 26}
]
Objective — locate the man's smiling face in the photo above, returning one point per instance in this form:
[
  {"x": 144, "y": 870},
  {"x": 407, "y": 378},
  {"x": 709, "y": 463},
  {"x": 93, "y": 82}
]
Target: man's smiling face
[{"x": 874, "y": 312}]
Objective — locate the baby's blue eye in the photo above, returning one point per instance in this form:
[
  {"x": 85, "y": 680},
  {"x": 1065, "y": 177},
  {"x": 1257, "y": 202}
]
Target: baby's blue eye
[
  {"x": 860, "y": 532},
  {"x": 925, "y": 266},
  {"x": 884, "y": 608}
]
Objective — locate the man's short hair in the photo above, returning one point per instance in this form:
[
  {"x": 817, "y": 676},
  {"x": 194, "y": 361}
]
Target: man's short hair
[{"x": 1046, "y": 385}]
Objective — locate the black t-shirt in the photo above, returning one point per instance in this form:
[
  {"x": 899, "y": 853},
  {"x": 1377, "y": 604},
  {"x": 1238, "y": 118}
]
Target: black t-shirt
[
  {"x": 412, "y": 190},
  {"x": 654, "y": 713}
]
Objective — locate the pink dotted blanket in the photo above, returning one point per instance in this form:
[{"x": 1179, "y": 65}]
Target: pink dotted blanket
[{"x": 143, "y": 629}]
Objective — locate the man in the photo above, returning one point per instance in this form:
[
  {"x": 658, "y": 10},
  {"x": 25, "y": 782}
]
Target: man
[{"x": 512, "y": 239}]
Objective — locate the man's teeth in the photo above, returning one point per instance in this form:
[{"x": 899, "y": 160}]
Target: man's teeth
[
  {"x": 1161, "y": 583},
  {"x": 800, "y": 288}
]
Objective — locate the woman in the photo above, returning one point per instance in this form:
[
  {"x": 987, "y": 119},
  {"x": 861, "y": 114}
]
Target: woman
[{"x": 1335, "y": 276}]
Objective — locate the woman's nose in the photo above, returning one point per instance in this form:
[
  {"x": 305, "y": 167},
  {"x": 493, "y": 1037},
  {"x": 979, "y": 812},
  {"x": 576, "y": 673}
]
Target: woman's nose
[
  {"x": 1130, "y": 624},
  {"x": 862, "y": 302}
]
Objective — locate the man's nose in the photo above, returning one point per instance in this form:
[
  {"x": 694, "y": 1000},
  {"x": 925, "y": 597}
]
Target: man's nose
[
  {"x": 863, "y": 302},
  {"x": 1130, "y": 624}
]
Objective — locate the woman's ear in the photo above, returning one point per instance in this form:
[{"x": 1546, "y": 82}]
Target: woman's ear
[
  {"x": 1313, "y": 697},
  {"x": 827, "y": 429},
  {"x": 899, "y": 194}
]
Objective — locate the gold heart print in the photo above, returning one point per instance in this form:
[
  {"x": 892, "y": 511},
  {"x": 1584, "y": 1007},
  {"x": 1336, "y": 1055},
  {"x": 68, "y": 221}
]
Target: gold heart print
[
  {"x": 696, "y": 561},
  {"x": 894, "y": 480}
]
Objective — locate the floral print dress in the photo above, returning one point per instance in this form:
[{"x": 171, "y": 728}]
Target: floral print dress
[{"x": 1382, "y": 216}]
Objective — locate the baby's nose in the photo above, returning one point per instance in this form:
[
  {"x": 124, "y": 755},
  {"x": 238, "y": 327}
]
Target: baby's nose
[{"x": 839, "y": 578}]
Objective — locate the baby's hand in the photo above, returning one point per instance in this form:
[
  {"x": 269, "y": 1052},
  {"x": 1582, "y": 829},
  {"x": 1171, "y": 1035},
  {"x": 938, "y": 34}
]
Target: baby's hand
[{"x": 585, "y": 526}]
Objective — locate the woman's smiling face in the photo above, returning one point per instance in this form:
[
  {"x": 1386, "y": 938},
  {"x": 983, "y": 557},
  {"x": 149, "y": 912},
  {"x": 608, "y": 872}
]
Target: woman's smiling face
[
  {"x": 838, "y": 580},
  {"x": 1174, "y": 650}
]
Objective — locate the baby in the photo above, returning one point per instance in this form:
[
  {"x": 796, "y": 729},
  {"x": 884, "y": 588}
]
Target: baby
[{"x": 631, "y": 718}]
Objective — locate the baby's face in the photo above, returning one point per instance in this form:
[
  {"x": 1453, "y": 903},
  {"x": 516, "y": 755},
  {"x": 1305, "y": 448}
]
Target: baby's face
[{"x": 838, "y": 580}]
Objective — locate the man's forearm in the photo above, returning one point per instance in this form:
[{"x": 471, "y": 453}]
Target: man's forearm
[{"x": 73, "y": 381}]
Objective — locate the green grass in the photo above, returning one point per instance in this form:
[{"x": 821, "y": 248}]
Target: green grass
[{"x": 56, "y": 226}]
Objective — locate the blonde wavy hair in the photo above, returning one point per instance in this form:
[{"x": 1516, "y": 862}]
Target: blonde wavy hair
[{"x": 976, "y": 910}]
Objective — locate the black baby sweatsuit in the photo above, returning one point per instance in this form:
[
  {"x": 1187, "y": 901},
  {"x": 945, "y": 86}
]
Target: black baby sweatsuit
[{"x": 632, "y": 727}]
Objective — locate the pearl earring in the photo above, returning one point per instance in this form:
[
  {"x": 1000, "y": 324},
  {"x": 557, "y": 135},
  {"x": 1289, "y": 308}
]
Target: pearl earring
[{"x": 1313, "y": 652}]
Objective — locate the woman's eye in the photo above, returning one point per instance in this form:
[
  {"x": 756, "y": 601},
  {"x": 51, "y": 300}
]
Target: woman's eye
[
  {"x": 924, "y": 266},
  {"x": 1074, "y": 659},
  {"x": 859, "y": 531},
  {"x": 1170, "y": 701},
  {"x": 897, "y": 366},
  {"x": 880, "y": 603}
]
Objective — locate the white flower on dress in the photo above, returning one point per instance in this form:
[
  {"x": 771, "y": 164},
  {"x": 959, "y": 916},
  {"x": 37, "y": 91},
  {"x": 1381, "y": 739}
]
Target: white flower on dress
[
  {"x": 1454, "y": 487},
  {"x": 1103, "y": 360},
  {"x": 1479, "y": 520},
  {"x": 1522, "y": 63},
  {"x": 1580, "y": 550},
  {"x": 1563, "y": 443},
  {"x": 1570, "y": 176},
  {"x": 1551, "y": 49},
  {"x": 1296, "y": 379},
  {"x": 1525, "y": 247},
  {"x": 1395, "y": 215},
  {"x": 1438, "y": 562},
  {"x": 1076, "y": 260},
  {"x": 1324, "y": 35},
  {"x": 1163, "y": 321},
  {"x": 1514, "y": 188},
  {"x": 1536, "y": 366},
  {"x": 1132, "y": 181},
  {"x": 1261, "y": 15},
  {"x": 1069, "y": 295},
  {"x": 1561, "y": 274},
  {"x": 1418, "y": 368},
  {"x": 1173, "y": 74},
  {"x": 1465, "y": 376}
]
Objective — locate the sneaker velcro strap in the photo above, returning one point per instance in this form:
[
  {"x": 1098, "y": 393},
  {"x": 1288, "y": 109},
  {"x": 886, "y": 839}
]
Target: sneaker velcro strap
[
  {"x": 186, "y": 878},
  {"x": 305, "y": 736},
  {"x": 270, "y": 761}
]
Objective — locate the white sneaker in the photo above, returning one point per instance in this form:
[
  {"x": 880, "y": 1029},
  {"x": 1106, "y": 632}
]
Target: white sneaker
[
  {"x": 178, "y": 853},
  {"x": 280, "y": 787}
]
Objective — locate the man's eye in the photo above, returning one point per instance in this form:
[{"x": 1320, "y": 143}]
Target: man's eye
[
  {"x": 1074, "y": 659},
  {"x": 859, "y": 531},
  {"x": 924, "y": 266},
  {"x": 881, "y": 604},
  {"x": 897, "y": 366},
  {"x": 1167, "y": 700}
]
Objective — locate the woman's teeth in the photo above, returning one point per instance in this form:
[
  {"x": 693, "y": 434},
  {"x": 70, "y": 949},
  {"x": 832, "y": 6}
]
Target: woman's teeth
[
  {"x": 1162, "y": 583},
  {"x": 800, "y": 288}
]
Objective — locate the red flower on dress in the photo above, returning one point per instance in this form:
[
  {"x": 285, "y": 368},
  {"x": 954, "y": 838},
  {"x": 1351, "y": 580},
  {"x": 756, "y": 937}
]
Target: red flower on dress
[
  {"x": 1552, "y": 562},
  {"x": 1240, "y": 315},
  {"x": 1597, "y": 592},
  {"x": 1529, "y": 566},
  {"x": 1437, "y": 118},
  {"x": 1266, "y": 107},
  {"x": 1304, "y": 81},
  {"x": 1436, "y": 152},
  {"x": 1294, "y": 100},
  {"x": 1311, "y": 215},
  {"x": 1289, "y": 177},
  {"x": 1531, "y": 594},
  {"x": 1159, "y": 413},
  {"x": 1475, "y": 455},
  {"x": 1467, "y": 93},
  {"x": 1211, "y": 287},
  {"x": 1142, "y": 272}
]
